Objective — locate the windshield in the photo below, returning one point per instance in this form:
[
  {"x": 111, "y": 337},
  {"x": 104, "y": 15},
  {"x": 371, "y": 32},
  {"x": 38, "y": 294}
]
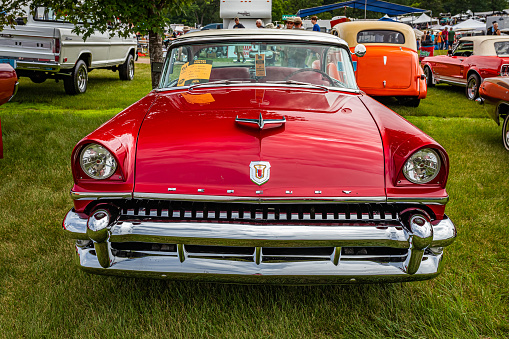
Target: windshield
[
  {"x": 502, "y": 48},
  {"x": 259, "y": 62}
]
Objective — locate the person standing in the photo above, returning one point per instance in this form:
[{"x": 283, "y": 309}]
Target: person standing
[
  {"x": 439, "y": 40},
  {"x": 289, "y": 23},
  {"x": 491, "y": 29},
  {"x": 297, "y": 23},
  {"x": 496, "y": 31},
  {"x": 239, "y": 49},
  {"x": 238, "y": 24},
  {"x": 445, "y": 37},
  {"x": 259, "y": 23},
  {"x": 314, "y": 20},
  {"x": 451, "y": 37}
]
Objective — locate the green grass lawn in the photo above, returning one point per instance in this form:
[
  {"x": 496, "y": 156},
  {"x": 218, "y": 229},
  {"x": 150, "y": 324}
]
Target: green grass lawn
[{"x": 43, "y": 293}]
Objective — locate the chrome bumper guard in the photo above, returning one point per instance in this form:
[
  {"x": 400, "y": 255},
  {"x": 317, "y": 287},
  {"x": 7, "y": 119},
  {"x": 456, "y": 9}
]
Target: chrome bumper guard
[{"x": 98, "y": 253}]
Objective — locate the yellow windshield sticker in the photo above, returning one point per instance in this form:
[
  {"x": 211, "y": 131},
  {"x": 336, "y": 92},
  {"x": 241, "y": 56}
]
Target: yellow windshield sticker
[
  {"x": 201, "y": 99},
  {"x": 260, "y": 65},
  {"x": 196, "y": 71}
]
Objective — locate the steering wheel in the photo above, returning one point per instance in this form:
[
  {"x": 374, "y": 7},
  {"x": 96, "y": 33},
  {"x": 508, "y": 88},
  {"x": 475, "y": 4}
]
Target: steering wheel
[{"x": 329, "y": 79}]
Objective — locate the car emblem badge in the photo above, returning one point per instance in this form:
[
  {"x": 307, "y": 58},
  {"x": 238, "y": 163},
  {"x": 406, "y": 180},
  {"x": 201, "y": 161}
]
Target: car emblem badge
[{"x": 259, "y": 172}]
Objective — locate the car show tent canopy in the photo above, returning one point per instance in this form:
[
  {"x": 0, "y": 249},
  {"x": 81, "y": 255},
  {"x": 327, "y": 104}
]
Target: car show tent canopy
[
  {"x": 470, "y": 24},
  {"x": 368, "y": 5}
]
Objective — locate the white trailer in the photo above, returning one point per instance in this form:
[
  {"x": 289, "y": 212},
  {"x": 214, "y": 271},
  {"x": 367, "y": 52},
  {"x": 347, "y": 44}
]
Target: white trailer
[{"x": 247, "y": 11}]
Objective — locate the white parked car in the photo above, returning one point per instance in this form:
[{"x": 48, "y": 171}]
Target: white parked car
[{"x": 42, "y": 46}]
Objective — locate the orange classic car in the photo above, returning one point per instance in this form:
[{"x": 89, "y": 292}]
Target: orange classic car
[
  {"x": 8, "y": 87},
  {"x": 391, "y": 64}
]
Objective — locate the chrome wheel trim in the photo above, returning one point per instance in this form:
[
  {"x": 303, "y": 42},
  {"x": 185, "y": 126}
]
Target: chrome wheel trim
[
  {"x": 505, "y": 132},
  {"x": 427, "y": 74},
  {"x": 130, "y": 68},
  {"x": 472, "y": 88},
  {"x": 82, "y": 79}
]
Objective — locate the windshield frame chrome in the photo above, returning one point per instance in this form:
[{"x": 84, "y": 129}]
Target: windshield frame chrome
[{"x": 318, "y": 39}]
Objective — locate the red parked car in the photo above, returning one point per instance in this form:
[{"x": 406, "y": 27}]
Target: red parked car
[
  {"x": 472, "y": 60},
  {"x": 495, "y": 94},
  {"x": 8, "y": 87},
  {"x": 267, "y": 170}
]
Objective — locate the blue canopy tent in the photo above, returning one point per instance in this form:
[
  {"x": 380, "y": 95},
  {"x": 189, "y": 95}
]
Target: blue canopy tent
[
  {"x": 367, "y": 5},
  {"x": 386, "y": 18}
]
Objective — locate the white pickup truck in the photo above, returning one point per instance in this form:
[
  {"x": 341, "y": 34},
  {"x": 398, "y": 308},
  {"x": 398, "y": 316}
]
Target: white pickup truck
[{"x": 42, "y": 47}]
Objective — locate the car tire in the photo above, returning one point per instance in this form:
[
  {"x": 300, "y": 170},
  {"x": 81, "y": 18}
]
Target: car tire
[
  {"x": 473, "y": 83},
  {"x": 77, "y": 82},
  {"x": 429, "y": 76},
  {"x": 505, "y": 132},
  {"x": 126, "y": 70},
  {"x": 38, "y": 77}
]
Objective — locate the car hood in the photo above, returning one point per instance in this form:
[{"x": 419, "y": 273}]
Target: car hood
[{"x": 190, "y": 143}]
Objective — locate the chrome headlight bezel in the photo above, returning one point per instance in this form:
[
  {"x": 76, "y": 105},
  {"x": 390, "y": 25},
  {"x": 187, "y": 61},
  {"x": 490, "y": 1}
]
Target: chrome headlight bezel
[
  {"x": 97, "y": 162},
  {"x": 423, "y": 166}
]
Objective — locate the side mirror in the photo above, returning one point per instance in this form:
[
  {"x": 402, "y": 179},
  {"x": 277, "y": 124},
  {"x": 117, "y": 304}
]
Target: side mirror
[{"x": 360, "y": 50}]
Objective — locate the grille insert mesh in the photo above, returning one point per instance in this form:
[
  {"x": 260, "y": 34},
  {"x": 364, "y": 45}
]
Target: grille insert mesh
[{"x": 183, "y": 210}]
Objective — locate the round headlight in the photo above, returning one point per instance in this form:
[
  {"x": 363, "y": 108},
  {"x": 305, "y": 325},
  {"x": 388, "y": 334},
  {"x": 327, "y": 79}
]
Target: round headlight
[
  {"x": 97, "y": 162},
  {"x": 422, "y": 167}
]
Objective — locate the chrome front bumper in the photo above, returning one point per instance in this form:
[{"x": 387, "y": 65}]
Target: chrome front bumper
[{"x": 101, "y": 256}]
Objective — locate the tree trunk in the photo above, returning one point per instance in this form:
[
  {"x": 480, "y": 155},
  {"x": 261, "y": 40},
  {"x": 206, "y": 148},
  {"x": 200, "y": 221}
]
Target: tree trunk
[{"x": 155, "y": 49}]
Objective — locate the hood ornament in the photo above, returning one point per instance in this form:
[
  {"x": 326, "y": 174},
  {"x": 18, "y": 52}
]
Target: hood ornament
[
  {"x": 260, "y": 121},
  {"x": 259, "y": 172}
]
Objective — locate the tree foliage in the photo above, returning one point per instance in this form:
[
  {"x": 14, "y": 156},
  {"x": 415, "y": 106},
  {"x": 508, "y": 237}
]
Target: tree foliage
[{"x": 199, "y": 12}]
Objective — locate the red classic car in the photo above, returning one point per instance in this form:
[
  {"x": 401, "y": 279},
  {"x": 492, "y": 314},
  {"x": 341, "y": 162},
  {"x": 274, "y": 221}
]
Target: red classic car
[
  {"x": 495, "y": 94},
  {"x": 473, "y": 59},
  {"x": 268, "y": 170},
  {"x": 8, "y": 87}
]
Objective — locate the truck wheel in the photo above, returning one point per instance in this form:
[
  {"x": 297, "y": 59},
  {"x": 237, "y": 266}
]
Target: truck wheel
[
  {"x": 473, "y": 83},
  {"x": 126, "y": 70},
  {"x": 505, "y": 132},
  {"x": 38, "y": 78},
  {"x": 78, "y": 81}
]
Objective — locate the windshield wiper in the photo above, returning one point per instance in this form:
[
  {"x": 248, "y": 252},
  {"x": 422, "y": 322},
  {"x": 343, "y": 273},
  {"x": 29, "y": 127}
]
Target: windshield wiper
[
  {"x": 218, "y": 82},
  {"x": 293, "y": 82}
]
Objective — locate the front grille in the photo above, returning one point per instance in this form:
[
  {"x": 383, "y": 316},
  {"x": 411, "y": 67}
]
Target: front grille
[{"x": 246, "y": 212}]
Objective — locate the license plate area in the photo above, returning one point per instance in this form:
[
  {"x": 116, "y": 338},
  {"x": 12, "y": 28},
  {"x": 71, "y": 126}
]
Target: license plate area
[{"x": 11, "y": 62}]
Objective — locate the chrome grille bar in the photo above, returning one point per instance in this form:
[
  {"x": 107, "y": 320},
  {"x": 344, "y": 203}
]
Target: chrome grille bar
[{"x": 183, "y": 210}]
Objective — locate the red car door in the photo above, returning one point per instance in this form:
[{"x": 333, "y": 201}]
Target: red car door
[{"x": 452, "y": 67}]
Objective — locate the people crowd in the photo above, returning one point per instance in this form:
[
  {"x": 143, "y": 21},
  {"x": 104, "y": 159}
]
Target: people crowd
[
  {"x": 289, "y": 23},
  {"x": 440, "y": 39}
]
